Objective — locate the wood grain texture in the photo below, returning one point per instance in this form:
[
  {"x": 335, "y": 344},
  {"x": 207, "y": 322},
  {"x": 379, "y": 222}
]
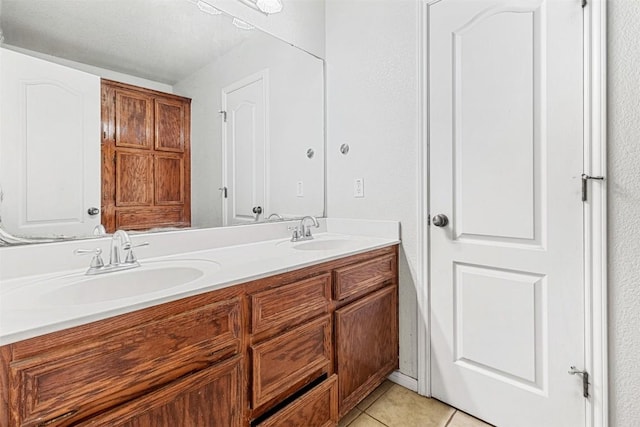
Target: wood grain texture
[
  {"x": 169, "y": 179},
  {"x": 169, "y": 125},
  {"x": 133, "y": 118},
  {"x": 95, "y": 375},
  {"x": 286, "y": 362},
  {"x": 5, "y": 358},
  {"x": 146, "y": 158},
  {"x": 210, "y": 398},
  {"x": 366, "y": 336},
  {"x": 290, "y": 305},
  {"x": 134, "y": 179},
  {"x": 317, "y": 408},
  {"x": 146, "y": 218},
  {"x": 359, "y": 279}
]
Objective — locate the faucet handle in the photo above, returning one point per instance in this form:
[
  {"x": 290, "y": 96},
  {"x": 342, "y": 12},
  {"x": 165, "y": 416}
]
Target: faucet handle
[
  {"x": 296, "y": 232},
  {"x": 131, "y": 257},
  {"x": 97, "y": 261}
]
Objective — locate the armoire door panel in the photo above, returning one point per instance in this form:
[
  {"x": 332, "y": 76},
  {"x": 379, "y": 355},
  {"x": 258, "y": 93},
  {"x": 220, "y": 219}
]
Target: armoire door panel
[
  {"x": 134, "y": 177},
  {"x": 169, "y": 180},
  {"x": 134, "y": 119},
  {"x": 169, "y": 125}
]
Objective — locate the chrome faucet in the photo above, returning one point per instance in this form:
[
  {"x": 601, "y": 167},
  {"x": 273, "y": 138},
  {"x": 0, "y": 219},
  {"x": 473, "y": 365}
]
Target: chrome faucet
[
  {"x": 277, "y": 217},
  {"x": 303, "y": 232},
  {"x": 120, "y": 245}
]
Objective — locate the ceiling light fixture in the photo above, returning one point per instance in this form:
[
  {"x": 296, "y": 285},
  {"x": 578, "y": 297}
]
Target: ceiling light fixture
[
  {"x": 242, "y": 25},
  {"x": 207, "y": 8},
  {"x": 269, "y": 6}
]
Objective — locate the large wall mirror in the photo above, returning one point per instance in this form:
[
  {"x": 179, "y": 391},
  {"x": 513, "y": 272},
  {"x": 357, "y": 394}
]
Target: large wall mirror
[{"x": 151, "y": 115}]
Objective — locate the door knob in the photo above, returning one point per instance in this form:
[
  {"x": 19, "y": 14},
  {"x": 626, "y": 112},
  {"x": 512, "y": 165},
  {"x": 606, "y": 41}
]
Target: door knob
[
  {"x": 93, "y": 211},
  {"x": 257, "y": 210},
  {"x": 440, "y": 220}
]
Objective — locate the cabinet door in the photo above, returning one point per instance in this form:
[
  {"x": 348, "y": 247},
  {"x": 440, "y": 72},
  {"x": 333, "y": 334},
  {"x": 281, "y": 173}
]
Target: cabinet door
[
  {"x": 209, "y": 398},
  {"x": 366, "y": 345}
]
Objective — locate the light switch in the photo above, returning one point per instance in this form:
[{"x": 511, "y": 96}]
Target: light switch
[{"x": 300, "y": 189}]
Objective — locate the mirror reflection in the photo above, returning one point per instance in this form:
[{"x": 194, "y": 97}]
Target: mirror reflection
[{"x": 152, "y": 115}]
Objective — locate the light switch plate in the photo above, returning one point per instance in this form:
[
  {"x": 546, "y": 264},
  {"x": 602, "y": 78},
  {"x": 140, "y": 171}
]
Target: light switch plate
[{"x": 300, "y": 189}]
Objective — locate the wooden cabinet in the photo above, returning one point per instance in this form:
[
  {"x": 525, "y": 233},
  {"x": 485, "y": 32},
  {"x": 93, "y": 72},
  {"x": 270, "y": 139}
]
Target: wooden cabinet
[
  {"x": 146, "y": 158},
  {"x": 366, "y": 345},
  {"x": 295, "y": 349},
  {"x": 317, "y": 408},
  {"x": 62, "y": 378},
  {"x": 209, "y": 398}
]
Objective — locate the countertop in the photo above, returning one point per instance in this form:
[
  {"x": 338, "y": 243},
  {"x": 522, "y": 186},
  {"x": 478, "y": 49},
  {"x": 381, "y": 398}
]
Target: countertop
[{"x": 26, "y": 312}]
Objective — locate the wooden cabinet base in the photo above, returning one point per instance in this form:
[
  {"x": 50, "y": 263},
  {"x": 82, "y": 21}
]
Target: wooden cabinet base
[
  {"x": 366, "y": 345},
  {"x": 209, "y": 398},
  {"x": 293, "y": 349},
  {"x": 316, "y": 408}
]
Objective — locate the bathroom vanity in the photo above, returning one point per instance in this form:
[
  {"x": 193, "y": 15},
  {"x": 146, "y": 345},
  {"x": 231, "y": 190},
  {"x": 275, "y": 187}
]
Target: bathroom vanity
[{"x": 301, "y": 346}]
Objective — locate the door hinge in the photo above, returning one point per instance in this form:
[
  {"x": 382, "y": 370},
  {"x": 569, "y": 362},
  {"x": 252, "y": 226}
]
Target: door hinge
[
  {"x": 224, "y": 115},
  {"x": 585, "y": 179},
  {"x": 585, "y": 379},
  {"x": 224, "y": 191}
]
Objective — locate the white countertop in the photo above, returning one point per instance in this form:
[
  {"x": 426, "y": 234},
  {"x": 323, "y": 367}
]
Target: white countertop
[{"x": 26, "y": 313}]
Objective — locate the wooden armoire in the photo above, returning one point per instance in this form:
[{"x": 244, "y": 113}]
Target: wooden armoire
[{"x": 146, "y": 158}]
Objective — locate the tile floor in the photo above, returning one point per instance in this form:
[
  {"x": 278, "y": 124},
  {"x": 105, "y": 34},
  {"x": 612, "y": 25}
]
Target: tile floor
[{"x": 391, "y": 405}]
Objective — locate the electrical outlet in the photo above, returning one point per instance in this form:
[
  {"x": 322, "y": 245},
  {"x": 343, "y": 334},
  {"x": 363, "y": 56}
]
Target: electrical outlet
[
  {"x": 358, "y": 187},
  {"x": 300, "y": 189}
]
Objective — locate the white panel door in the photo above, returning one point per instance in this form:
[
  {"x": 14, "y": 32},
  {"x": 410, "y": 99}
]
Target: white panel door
[
  {"x": 49, "y": 147},
  {"x": 245, "y": 140},
  {"x": 505, "y": 135}
]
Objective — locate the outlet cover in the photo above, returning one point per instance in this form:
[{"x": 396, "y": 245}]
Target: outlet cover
[{"x": 358, "y": 187}]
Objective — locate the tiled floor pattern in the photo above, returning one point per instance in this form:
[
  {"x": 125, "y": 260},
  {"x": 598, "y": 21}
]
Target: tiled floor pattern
[{"x": 391, "y": 405}]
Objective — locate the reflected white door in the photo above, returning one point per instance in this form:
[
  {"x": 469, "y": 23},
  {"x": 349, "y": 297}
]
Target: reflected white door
[
  {"x": 506, "y": 141},
  {"x": 49, "y": 147},
  {"x": 244, "y": 149}
]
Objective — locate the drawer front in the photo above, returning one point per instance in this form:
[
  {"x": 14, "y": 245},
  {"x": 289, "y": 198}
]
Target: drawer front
[
  {"x": 79, "y": 381},
  {"x": 284, "y": 363},
  {"x": 363, "y": 277},
  {"x": 209, "y": 398},
  {"x": 291, "y": 304},
  {"x": 317, "y": 408}
]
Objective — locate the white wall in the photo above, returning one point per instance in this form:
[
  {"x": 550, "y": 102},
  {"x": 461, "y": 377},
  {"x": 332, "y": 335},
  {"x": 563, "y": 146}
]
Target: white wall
[
  {"x": 624, "y": 210},
  {"x": 301, "y": 22},
  {"x": 97, "y": 71},
  {"x": 372, "y": 100},
  {"x": 296, "y": 112}
]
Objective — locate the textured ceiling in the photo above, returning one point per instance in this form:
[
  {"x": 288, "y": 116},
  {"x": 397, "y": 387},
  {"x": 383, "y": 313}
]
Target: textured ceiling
[{"x": 161, "y": 40}]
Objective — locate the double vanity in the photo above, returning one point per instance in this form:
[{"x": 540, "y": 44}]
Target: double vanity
[{"x": 268, "y": 332}]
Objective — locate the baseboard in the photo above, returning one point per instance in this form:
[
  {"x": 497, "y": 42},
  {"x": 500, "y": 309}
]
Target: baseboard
[{"x": 404, "y": 380}]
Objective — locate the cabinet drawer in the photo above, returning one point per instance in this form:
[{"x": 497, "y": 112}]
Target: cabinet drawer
[
  {"x": 291, "y": 304},
  {"x": 317, "y": 408},
  {"x": 284, "y": 363},
  {"x": 102, "y": 371},
  {"x": 209, "y": 398},
  {"x": 363, "y": 277}
]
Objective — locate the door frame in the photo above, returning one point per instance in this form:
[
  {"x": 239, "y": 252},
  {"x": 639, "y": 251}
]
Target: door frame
[
  {"x": 594, "y": 211},
  {"x": 260, "y": 75}
]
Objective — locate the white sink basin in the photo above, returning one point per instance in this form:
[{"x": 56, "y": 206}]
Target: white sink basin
[
  {"x": 323, "y": 245},
  {"x": 147, "y": 279}
]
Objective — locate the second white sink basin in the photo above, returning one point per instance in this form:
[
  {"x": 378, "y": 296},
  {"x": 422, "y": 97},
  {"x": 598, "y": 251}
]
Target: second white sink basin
[{"x": 323, "y": 245}]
